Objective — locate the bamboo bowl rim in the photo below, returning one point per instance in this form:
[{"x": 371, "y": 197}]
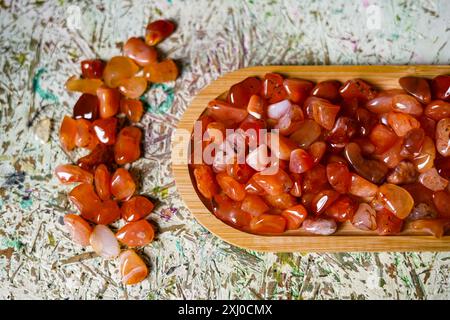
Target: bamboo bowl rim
[{"x": 347, "y": 238}]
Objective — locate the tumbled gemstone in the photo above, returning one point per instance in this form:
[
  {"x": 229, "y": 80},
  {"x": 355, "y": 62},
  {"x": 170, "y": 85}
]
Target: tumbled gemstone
[
  {"x": 297, "y": 89},
  {"x": 258, "y": 159},
  {"x": 231, "y": 187},
  {"x": 420, "y": 194},
  {"x": 104, "y": 242},
  {"x": 268, "y": 224},
  {"x": 108, "y": 213},
  {"x": 432, "y": 180},
  {"x": 86, "y": 107},
  {"x": 240, "y": 172},
  {"x": 319, "y": 226},
  {"x": 366, "y": 121},
  {"x": 157, "y": 31},
  {"x": 280, "y": 146},
  {"x": 136, "y": 49},
  {"x": 402, "y": 123},
  {"x": 89, "y": 86},
  {"x": 307, "y": 132},
  {"x": 84, "y": 133},
  {"x": 163, "y": 71},
  {"x": 294, "y": 216},
  {"x": 300, "y": 161},
  {"x": 317, "y": 151},
  {"x": 273, "y": 184},
  {"x": 406, "y": 104},
  {"x": 136, "y": 208},
  {"x": 254, "y": 205},
  {"x": 315, "y": 180},
  {"x": 226, "y": 113},
  {"x": 278, "y": 109},
  {"x": 240, "y": 93},
  {"x": 119, "y": 68},
  {"x": 443, "y": 167},
  {"x": 280, "y": 201},
  {"x": 441, "y": 87},
  {"x": 86, "y": 200},
  {"x": 342, "y": 209},
  {"x": 412, "y": 144},
  {"x": 132, "y": 108},
  {"x": 443, "y": 137},
  {"x": 339, "y": 176},
  {"x": 102, "y": 182},
  {"x": 136, "y": 234},
  {"x": 296, "y": 189},
  {"x": 358, "y": 89},
  {"x": 392, "y": 156},
  {"x": 328, "y": 90},
  {"x": 396, "y": 199},
  {"x": 428, "y": 125},
  {"x": 361, "y": 187},
  {"x": 105, "y": 130},
  {"x": 132, "y": 268},
  {"x": 372, "y": 170},
  {"x": 273, "y": 89},
  {"x": 388, "y": 223},
  {"x": 122, "y": 184},
  {"x": 437, "y": 110},
  {"x": 344, "y": 129},
  {"x": 441, "y": 200},
  {"x": 67, "y": 133},
  {"x": 78, "y": 228},
  {"x": 381, "y": 104},
  {"x": 422, "y": 211},
  {"x": 418, "y": 87},
  {"x": 230, "y": 212},
  {"x": 109, "y": 102},
  {"x": 325, "y": 114},
  {"x": 69, "y": 173},
  {"x": 323, "y": 200},
  {"x": 133, "y": 88},
  {"x": 128, "y": 145},
  {"x": 92, "y": 69},
  {"x": 100, "y": 154},
  {"x": 434, "y": 227},
  {"x": 365, "y": 217},
  {"x": 256, "y": 106},
  {"x": 382, "y": 137},
  {"x": 404, "y": 172},
  {"x": 425, "y": 159}
]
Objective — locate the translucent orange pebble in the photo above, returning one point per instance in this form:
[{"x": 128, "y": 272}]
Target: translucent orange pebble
[
  {"x": 139, "y": 51},
  {"x": 268, "y": 223},
  {"x": 83, "y": 135},
  {"x": 86, "y": 200},
  {"x": 109, "y": 101},
  {"x": 396, "y": 199},
  {"x": 132, "y": 268},
  {"x": 206, "y": 183},
  {"x": 132, "y": 108},
  {"x": 122, "y": 184},
  {"x": 78, "y": 228},
  {"x": 136, "y": 208},
  {"x": 69, "y": 173},
  {"x": 92, "y": 69},
  {"x": 83, "y": 85},
  {"x": 67, "y": 133},
  {"x": 163, "y": 71},
  {"x": 118, "y": 69},
  {"x": 157, "y": 31},
  {"x": 128, "y": 145},
  {"x": 294, "y": 216},
  {"x": 102, "y": 181},
  {"x": 133, "y": 87},
  {"x": 105, "y": 130},
  {"x": 136, "y": 234},
  {"x": 231, "y": 187}
]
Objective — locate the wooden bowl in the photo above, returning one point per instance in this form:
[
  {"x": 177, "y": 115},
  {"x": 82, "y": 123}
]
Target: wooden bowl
[{"x": 347, "y": 238}]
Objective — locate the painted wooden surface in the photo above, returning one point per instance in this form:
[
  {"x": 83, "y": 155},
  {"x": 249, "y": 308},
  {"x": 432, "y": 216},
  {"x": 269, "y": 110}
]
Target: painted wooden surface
[{"x": 41, "y": 44}]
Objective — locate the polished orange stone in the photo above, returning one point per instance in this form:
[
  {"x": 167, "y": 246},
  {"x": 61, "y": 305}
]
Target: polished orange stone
[
  {"x": 231, "y": 187},
  {"x": 274, "y": 184},
  {"x": 132, "y": 108},
  {"x": 132, "y": 268},
  {"x": 157, "y": 31},
  {"x": 108, "y": 213},
  {"x": 69, "y": 173},
  {"x": 294, "y": 216},
  {"x": 86, "y": 107},
  {"x": 89, "y": 86},
  {"x": 100, "y": 154},
  {"x": 136, "y": 49},
  {"x": 86, "y": 200},
  {"x": 67, "y": 133},
  {"x": 102, "y": 182},
  {"x": 206, "y": 182},
  {"x": 133, "y": 88},
  {"x": 78, "y": 228},
  {"x": 136, "y": 208},
  {"x": 122, "y": 184},
  {"x": 136, "y": 234},
  {"x": 388, "y": 223},
  {"x": 109, "y": 102},
  {"x": 117, "y": 69},
  {"x": 92, "y": 69},
  {"x": 105, "y": 130},
  {"x": 128, "y": 145},
  {"x": 84, "y": 131},
  {"x": 268, "y": 224},
  {"x": 163, "y": 71},
  {"x": 396, "y": 199}
]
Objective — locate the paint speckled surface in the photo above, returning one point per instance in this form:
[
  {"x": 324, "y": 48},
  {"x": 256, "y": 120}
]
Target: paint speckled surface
[{"x": 41, "y": 47}]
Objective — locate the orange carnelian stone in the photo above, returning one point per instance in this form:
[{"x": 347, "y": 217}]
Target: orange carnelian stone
[
  {"x": 105, "y": 130},
  {"x": 79, "y": 229},
  {"x": 83, "y": 85},
  {"x": 67, "y": 133},
  {"x": 294, "y": 216},
  {"x": 417, "y": 87},
  {"x": 206, "y": 182},
  {"x": 254, "y": 205},
  {"x": 132, "y": 268},
  {"x": 435, "y": 227},
  {"x": 273, "y": 89},
  {"x": 343, "y": 209},
  {"x": 136, "y": 234},
  {"x": 141, "y": 53},
  {"x": 108, "y": 213},
  {"x": 136, "y": 208},
  {"x": 323, "y": 200},
  {"x": 301, "y": 161},
  {"x": 92, "y": 69},
  {"x": 230, "y": 212},
  {"x": 86, "y": 107},
  {"x": 109, "y": 101},
  {"x": 163, "y": 71},
  {"x": 281, "y": 201},
  {"x": 133, "y": 88},
  {"x": 441, "y": 87},
  {"x": 339, "y": 177},
  {"x": 83, "y": 135},
  {"x": 388, "y": 223},
  {"x": 396, "y": 199},
  {"x": 328, "y": 90},
  {"x": 358, "y": 89},
  {"x": 132, "y": 108},
  {"x": 231, "y": 187},
  {"x": 128, "y": 145},
  {"x": 69, "y": 173},
  {"x": 157, "y": 31},
  {"x": 86, "y": 200},
  {"x": 297, "y": 89},
  {"x": 382, "y": 137},
  {"x": 273, "y": 184},
  {"x": 240, "y": 93},
  {"x": 102, "y": 182},
  {"x": 118, "y": 69},
  {"x": 122, "y": 184},
  {"x": 324, "y": 113},
  {"x": 315, "y": 179},
  {"x": 100, "y": 154},
  {"x": 268, "y": 223}
]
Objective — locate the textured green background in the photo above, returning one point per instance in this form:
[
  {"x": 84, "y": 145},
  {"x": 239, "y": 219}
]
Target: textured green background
[{"x": 41, "y": 44}]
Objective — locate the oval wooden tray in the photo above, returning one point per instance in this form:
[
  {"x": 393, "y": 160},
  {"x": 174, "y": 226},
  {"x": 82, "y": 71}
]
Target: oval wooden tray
[{"x": 347, "y": 238}]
